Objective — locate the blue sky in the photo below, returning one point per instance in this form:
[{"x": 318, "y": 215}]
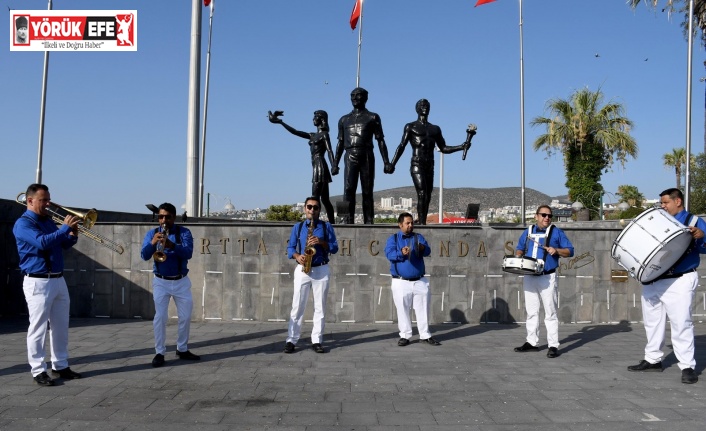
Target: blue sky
[{"x": 115, "y": 133}]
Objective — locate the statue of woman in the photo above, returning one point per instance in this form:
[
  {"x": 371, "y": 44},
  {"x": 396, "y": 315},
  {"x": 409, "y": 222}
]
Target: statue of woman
[{"x": 319, "y": 144}]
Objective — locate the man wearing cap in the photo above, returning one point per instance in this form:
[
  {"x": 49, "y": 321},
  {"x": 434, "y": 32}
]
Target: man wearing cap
[
  {"x": 40, "y": 245},
  {"x": 21, "y": 31}
]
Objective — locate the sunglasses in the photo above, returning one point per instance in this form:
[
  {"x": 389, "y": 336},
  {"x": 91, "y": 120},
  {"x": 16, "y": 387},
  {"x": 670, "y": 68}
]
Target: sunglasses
[
  {"x": 165, "y": 216},
  {"x": 313, "y": 207},
  {"x": 544, "y": 215}
]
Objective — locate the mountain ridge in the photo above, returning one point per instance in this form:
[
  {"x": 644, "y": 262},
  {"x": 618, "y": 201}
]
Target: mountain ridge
[{"x": 457, "y": 199}]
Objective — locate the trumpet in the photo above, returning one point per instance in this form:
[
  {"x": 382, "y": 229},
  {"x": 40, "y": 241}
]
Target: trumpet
[
  {"x": 87, "y": 220},
  {"x": 159, "y": 255}
]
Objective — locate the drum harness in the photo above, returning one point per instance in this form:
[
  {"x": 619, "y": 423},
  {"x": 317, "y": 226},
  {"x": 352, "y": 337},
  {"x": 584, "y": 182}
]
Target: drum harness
[
  {"x": 548, "y": 237},
  {"x": 670, "y": 272}
]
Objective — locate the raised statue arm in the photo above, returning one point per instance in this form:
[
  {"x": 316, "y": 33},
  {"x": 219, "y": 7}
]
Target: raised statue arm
[{"x": 274, "y": 118}]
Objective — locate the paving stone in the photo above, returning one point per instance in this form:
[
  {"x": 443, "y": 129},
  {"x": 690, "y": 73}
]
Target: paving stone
[{"x": 364, "y": 383}]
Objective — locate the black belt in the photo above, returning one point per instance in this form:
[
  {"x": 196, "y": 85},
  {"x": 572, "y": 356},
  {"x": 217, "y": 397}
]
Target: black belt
[
  {"x": 47, "y": 275},
  {"x": 407, "y": 279},
  {"x": 551, "y": 271},
  {"x": 313, "y": 265},
  {"x": 169, "y": 277},
  {"x": 672, "y": 275}
]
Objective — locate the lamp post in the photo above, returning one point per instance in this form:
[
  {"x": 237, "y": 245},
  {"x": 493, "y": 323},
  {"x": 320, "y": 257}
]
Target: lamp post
[{"x": 578, "y": 205}]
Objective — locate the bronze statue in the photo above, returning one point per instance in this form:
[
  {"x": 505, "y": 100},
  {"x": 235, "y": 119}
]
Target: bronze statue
[
  {"x": 355, "y": 135},
  {"x": 319, "y": 144},
  {"x": 423, "y": 136}
]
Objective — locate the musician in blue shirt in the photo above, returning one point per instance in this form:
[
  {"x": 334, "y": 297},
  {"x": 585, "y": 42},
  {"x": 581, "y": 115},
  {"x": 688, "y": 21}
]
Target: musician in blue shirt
[
  {"x": 323, "y": 239},
  {"x": 174, "y": 246},
  {"x": 545, "y": 243},
  {"x": 406, "y": 251},
  {"x": 670, "y": 296},
  {"x": 40, "y": 245}
]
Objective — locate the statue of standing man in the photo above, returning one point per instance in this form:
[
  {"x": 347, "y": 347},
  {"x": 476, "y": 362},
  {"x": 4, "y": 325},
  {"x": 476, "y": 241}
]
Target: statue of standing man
[
  {"x": 355, "y": 135},
  {"x": 423, "y": 137}
]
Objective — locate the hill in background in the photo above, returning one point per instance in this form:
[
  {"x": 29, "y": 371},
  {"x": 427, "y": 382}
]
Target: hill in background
[{"x": 457, "y": 199}]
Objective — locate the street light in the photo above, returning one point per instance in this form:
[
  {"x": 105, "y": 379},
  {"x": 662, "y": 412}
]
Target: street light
[{"x": 578, "y": 205}]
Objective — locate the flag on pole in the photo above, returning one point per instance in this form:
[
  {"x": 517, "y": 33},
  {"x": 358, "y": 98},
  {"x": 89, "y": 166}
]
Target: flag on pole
[
  {"x": 355, "y": 15},
  {"x": 208, "y": 2},
  {"x": 480, "y": 2}
]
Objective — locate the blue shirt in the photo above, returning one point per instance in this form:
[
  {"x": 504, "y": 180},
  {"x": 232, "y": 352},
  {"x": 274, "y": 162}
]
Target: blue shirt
[
  {"x": 692, "y": 259},
  {"x": 297, "y": 240},
  {"x": 412, "y": 265},
  {"x": 40, "y": 243},
  {"x": 558, "y": 240},
  {"x": 177, "y": 257}
]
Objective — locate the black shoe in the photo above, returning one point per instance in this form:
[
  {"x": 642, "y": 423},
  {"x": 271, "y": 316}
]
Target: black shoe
[
  {"x": 66, "y": 373},
  {"x": 188, "y": 356},
  {"x": 688, "y": 376},
  {"x": 646, "y": 366},
  {"x": 158, "y": 360},
  {"x": 431, "y": 341},
  {"x": 552, "y": 352},
  {"x": 527, "y": 347},
  {"x": 403, "y": 342},
  {"x": 289, "y": 347},
  {"x": 318, "y": 348},
  {"x": 43, "y": 379}
]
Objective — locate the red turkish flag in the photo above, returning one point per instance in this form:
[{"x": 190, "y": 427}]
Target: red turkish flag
[
  {"x": 355, "y": 15},
  {"x": 208, "y": 2},
  {"x": 480, "y": 2}
]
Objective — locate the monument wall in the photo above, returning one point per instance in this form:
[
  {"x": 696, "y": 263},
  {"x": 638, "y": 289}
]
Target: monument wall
[{"x": 240, "y": 271}]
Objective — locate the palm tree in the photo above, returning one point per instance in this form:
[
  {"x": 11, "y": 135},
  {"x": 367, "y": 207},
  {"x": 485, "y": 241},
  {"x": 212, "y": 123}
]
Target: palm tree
[
  {"x": 631, "y": 195},
  {"x": 590, "y": 136},
  {"x": 670, "y": 7},
  {"x": 676, "y": 159}
]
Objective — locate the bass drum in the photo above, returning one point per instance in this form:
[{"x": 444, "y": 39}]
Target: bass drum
[{"x": 651, "y": 244}]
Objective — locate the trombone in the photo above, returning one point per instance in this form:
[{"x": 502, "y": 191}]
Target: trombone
[{"x": 87, "y": 221}]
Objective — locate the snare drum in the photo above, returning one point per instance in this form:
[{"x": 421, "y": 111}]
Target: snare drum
[
  {"x": 651, "y": 244},
  {"x": 524, "y": 265}
]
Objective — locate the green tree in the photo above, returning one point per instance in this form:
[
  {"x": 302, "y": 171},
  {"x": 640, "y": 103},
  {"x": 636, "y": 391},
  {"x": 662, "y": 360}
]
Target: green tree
[
  {"x": 697, "y": 197},
  {"x": 630, "y": 195},
  {"x": 681, "y": 7},
  {"x": 676, "y": 159},
  {"x": 590, "y": 136},
  {"x": 282, "y": 213}
]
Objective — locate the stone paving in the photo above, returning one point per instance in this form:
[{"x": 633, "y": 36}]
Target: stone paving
[{"x": 364, "y": 382}]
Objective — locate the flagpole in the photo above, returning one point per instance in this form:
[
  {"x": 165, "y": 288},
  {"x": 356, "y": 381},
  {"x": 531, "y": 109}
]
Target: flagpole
[
  {"x": 687, "y": 183},
  {"x": 192, "y": 127},
  {"x": 42, "y": 111},
  {"x": 360, "y": 43},
  {"x": 205, "y": 111},
  {"x": 522, "y": 121}
]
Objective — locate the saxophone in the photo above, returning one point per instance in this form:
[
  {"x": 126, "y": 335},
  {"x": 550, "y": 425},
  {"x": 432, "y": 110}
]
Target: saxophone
[{"x": 310, "y": 250}]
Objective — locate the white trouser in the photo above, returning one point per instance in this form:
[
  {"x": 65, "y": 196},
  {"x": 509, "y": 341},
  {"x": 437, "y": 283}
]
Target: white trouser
[
  {"x": 670, "y": 297},
  {"x": 412, "y": 294},
  {"x": 180, "y": 290},
  {"x": 48, "y": 303},
  {"x": 541, "y": 289},
  {"x": 316, "y": 281}
]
